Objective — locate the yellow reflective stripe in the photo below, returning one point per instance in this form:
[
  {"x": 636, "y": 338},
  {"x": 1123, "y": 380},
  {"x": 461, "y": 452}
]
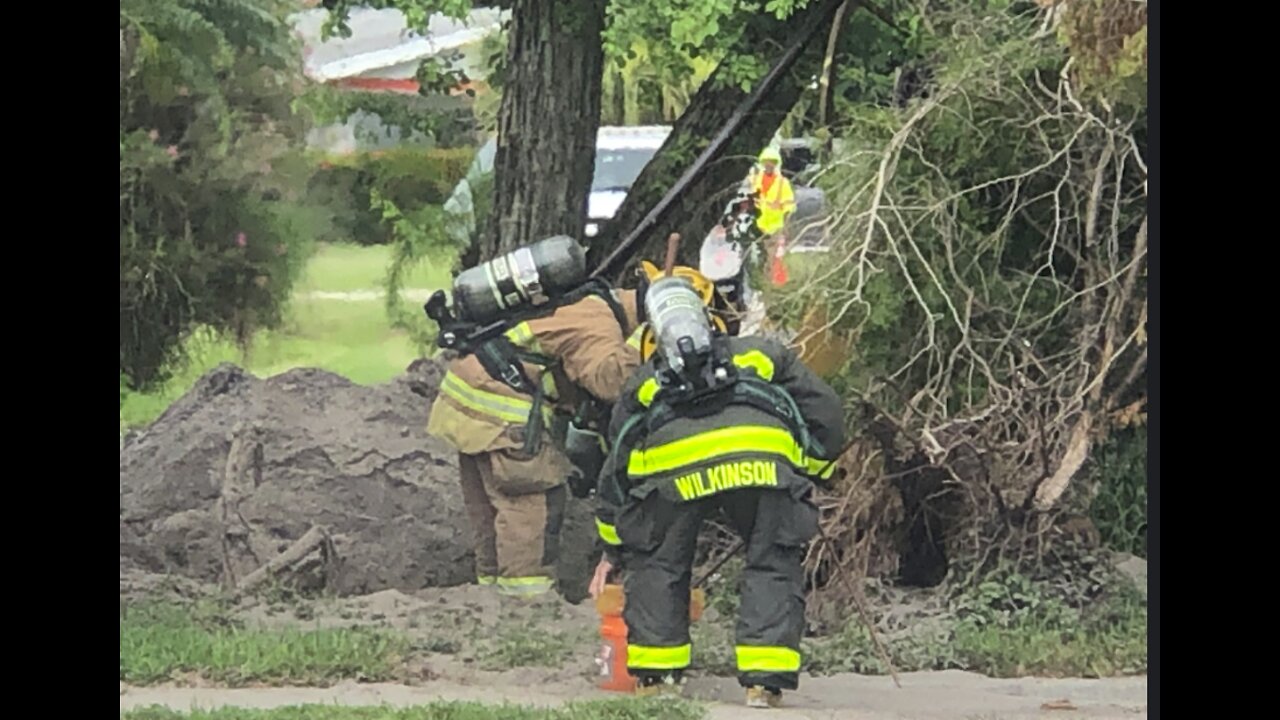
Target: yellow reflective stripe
[
  {"x": 647, "y": 390},
  {"x": 486, "y": 580},
  {"x": 608, "y": 533},
  {"x": 713, "y": 444},
  {"x": 757, "y": 360},
  {"x": 521, "y": 334},
  {"x": 824, "y": 469},
  {"x": 519, "y": 581},
  {"x": 644, "y": 657},
  {"x": 532, "y": 585},
  {"x": 512, "y": 410},
  {"x": 767, "y": 659}
]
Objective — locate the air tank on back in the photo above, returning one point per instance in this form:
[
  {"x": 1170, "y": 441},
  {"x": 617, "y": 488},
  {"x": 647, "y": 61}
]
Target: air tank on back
[
  {"x": 527, "y": 276},
  {"x": 677, "y": 314}
]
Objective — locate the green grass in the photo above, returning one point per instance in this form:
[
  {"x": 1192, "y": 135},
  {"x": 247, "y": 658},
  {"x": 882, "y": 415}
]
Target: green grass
[
  {"x": 343, "y": 268},
  {"x": 161, "y": 642},
  {"x": 528, "y": 646},
  {"x": 351, "y": 338},
  {"x": 613, "y": 709},
  {"x": 1108, "y": 640},
  {"x": 1004, "y": 628},
  {"x": 1008, "y": 626}
]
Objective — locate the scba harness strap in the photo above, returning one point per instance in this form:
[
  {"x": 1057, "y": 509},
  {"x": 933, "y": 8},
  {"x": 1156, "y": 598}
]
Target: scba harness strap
[
  {"x": 504, "y": 361},
  {"x": 666, "y": 406}
]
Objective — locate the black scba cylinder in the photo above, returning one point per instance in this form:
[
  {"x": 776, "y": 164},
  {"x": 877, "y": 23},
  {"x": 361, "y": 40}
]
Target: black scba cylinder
[{"x": 531, "y": 275}]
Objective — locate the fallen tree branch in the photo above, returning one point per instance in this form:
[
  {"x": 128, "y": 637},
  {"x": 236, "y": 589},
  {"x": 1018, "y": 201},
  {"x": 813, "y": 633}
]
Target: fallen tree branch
[
  {"x": 241, "y": 476},
  {"x": 1077, "y": 452},
  {"x": 860, "y": 600},
  {"x": 317, "y": 538}
]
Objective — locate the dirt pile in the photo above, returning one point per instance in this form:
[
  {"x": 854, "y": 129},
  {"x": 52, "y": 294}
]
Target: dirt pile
[{"x": 239, "y": 469}]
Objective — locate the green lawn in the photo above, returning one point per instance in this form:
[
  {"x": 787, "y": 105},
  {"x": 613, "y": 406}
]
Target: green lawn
[
  {"x": 349, "y": 337},
  {"x": 163, "y": 642},
  {"x": 343, "y": 268}
]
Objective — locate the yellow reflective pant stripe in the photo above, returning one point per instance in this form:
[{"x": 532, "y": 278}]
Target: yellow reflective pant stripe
[
  {"x": 509, "y": 409},
  {"x": 756, "y": 360},
  {"x": 713, "y": 444},
  {"x": 608, "y": 533},
  {"x": 533, "y": 585},
  {"x": 486, "y": 580},
  {"x": 767, "y": 659},
  {"x": 645, "y": 657}
]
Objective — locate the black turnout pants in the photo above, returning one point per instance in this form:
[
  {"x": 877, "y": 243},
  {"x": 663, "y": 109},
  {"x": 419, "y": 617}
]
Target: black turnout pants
[{"x": 659, "y": 538}]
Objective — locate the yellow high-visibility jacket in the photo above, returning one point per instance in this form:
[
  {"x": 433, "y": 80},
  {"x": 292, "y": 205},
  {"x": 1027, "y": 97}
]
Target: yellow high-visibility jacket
[{"x": 774, "y": 205}]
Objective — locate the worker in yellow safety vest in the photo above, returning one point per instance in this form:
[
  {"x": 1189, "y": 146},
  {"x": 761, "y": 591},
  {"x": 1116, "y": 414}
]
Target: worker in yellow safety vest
[{"x": 775, "y": 198}]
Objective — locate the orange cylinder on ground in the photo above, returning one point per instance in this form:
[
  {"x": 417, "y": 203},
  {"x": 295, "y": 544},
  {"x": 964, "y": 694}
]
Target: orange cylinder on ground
[
  {"x": 613, "y": 632},
  {"x": 778, "y": 268},
  {"x": 613, "y": 651}
]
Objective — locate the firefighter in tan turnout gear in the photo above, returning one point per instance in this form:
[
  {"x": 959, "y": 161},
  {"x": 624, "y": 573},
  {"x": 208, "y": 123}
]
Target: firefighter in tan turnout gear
[
  {"x": 711, "y": 422},
  {"x": 543, "y": 355}
]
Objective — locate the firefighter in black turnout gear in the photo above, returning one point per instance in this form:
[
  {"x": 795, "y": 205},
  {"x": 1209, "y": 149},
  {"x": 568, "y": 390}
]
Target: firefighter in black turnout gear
[{"x": 713, "y": 422}]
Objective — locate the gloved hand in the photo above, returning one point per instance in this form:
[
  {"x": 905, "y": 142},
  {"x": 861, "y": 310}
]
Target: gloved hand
[
  {"x": 600, "y": 578},
  {"x": 579, "y": 485}
]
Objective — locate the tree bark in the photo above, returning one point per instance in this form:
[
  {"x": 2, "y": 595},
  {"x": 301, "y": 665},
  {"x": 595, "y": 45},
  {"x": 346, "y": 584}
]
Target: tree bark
[
  {"x": 547, "y": 124},
  {"x": 693, "y": 214}
]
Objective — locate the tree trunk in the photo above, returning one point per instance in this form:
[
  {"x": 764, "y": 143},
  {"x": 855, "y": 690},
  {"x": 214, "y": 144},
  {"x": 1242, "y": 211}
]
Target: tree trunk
[
  {"x": 693, "y": 214},
  {"x": 546, "y": 125}
]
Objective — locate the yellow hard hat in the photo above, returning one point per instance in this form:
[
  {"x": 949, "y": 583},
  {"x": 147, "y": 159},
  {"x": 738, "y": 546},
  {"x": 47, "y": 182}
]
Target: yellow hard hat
[{"x": 770, "y": 153}]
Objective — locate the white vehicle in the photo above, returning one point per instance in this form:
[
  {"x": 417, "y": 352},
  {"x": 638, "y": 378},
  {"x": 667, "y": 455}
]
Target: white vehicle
[{"x": 621, "y": 153}]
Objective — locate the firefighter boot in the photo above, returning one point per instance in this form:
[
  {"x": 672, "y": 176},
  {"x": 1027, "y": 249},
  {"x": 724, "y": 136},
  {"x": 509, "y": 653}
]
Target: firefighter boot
[
  {"x": 759, "y": 696},
  {"x": 667, "y": 685}
]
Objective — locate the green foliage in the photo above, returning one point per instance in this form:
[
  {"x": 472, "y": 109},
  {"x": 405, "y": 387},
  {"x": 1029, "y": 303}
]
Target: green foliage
[
  {"x": 623, "y": 708},
  {"x": 350, "y": 337},
  {"x": 659, "y": 79},
  {"x": 983, "y": 232},
  {"x": 429, "y": 237},
  {"x": 417, "y": 12},
  {"x": 418, "y": 238},
  {"x": 1008, "y": 627},
  {"x": 213, "y": 223},
  {"x": 867, "y": 57},
  {"x": 1108, "y": 40},
  {"x": 1004, "y": 626},
  {"x": 435, "y": 75},
  {"x": 1119, "y": 509},
  {"x": 430, "y": 121},
  {"x": 640, "y": 91},
  {"x": 413, "y": 178},
  {"x": 159, "y": 643},
  {"x": 941, "y": 241}
]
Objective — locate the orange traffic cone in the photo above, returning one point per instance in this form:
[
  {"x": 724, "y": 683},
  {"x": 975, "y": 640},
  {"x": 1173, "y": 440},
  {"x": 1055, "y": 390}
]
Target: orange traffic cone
[
  {"x": 612, "y": 659},
  {"x": 778, "y": 274}
]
